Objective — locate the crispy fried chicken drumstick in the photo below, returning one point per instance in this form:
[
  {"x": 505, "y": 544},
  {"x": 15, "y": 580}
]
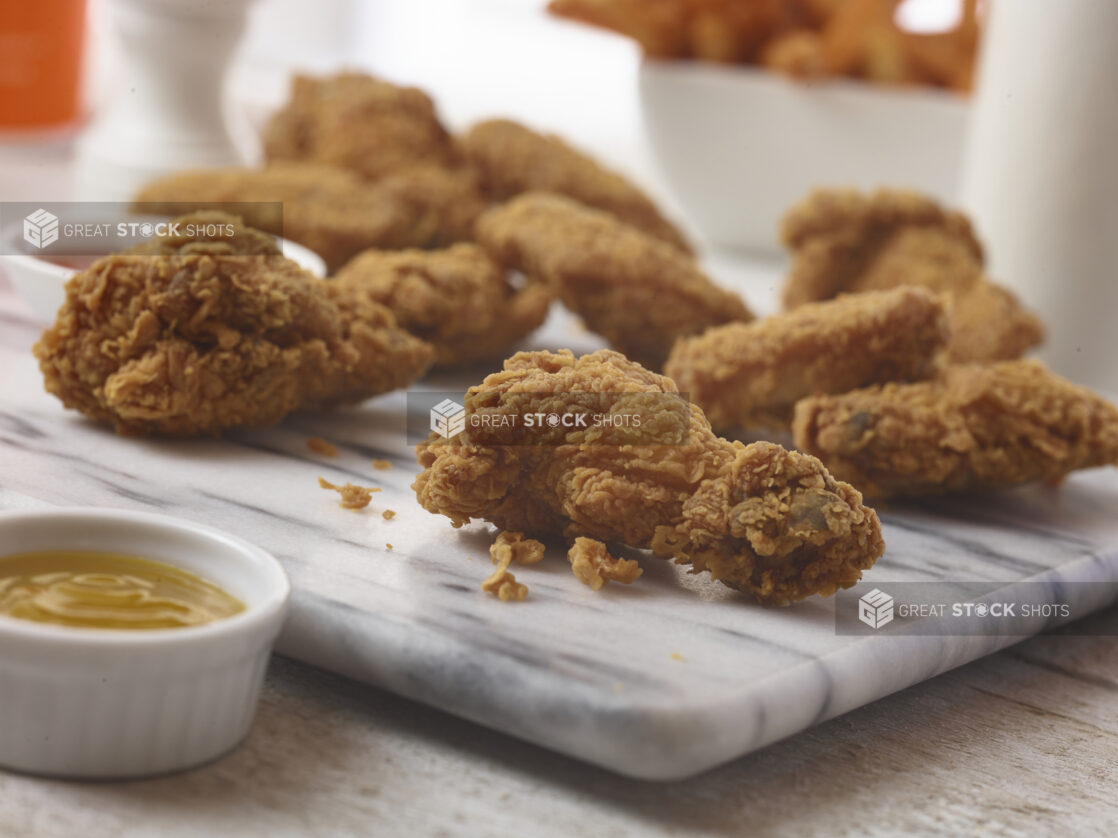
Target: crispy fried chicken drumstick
[
  {"x": 759, "y": 518},
  {"x": 977, "y": 427},
  {"x": 196, "y": 335},
  {"x": 635, "y": 291},
  {"x": 747, "y": 375},
  {"x": 846, "y": 241}
]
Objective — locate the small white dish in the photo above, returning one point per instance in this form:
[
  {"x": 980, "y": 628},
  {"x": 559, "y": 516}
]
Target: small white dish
[
  {"x": 112, "y": 703},
  {"x": 42, "y": 283},
  {"x": 738, "y": 145}
]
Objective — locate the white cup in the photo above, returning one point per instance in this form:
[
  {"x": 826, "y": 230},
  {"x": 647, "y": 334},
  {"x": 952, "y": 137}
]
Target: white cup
[{"x": 1041, "y": 173}]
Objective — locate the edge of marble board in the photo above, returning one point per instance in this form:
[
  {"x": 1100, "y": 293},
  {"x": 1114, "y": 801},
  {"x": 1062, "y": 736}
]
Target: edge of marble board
[{"x": 646, "y": 740}]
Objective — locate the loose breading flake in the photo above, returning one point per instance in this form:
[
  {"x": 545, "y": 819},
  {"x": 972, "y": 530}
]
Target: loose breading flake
[
  {"x": 503, "y": 584},
  {"x": 353, "y": 496},
  {"x": 387, "y": 546},
  {"x": 382, "y": 465},
  {"x": 388, "y": 514},
  {"x": 592, "y": 564},
  {"x": 320, "y": 446},
  {"x": 516, "y": 548}
]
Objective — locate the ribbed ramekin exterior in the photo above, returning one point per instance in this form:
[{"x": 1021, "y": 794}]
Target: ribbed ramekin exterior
[{"x": 109, "y": 717}]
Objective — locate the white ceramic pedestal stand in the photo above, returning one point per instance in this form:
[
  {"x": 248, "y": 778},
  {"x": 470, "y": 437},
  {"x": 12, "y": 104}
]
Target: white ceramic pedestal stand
[{"x": 168, "y": 111}]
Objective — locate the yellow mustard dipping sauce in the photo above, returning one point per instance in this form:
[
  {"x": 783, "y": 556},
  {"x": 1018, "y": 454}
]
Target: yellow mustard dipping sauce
[{"x": 87, "y": 589}]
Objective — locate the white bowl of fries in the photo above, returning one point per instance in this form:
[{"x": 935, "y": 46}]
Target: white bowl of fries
[
  {"x": 749, "y": 105},
  {"x": 738, "y": 145}
]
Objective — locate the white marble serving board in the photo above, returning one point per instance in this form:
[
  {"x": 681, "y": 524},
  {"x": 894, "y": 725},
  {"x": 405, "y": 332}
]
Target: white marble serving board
[{"x": 661, "y": 679}]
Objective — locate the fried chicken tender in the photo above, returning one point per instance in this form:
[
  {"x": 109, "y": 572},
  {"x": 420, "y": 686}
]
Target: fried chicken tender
[
  {"x": 357, "y": 122},
  {"x": 751, "y": 375},
  {"x": 457, "y": 299},
  {"x": 759, "y": 518},
  {"x": 977, "y": 427},
  {"x": 203, "y": 336},
  {"x": 635, "y": 291},
  {"x": 843, "y": 240},
  {"x": 514, "y": 159},
  {"x": 330, "y": 210}
]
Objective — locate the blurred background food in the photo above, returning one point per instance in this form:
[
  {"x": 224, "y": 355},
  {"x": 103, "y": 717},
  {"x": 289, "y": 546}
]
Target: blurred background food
[
  {"x": 882, "y": 41},
  {"x": 724, "y": 113}
]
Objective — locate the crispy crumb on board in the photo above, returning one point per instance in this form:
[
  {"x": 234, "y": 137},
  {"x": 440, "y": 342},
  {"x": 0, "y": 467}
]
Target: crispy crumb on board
[
  {"x": 320, "y": 446},
  {"x": 353, "y": 496}
]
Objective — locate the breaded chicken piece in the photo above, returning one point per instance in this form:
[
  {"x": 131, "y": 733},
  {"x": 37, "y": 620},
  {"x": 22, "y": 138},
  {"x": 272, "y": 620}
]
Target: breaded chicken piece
[
  {"x": 330, "y": 210},
  {"x": 635, "y": 291},
  {"x": 751, "y": 375},
  {"x": 193, "y": 341},
  {"x": 846, "y": 241},
  {"x": 977, "y": 427},
  {"x": 458, "y": 299},
  {"x": 356, "y": 122},
  {"x": 759, "y": 518},
  {"x": 514, "y": 159}
]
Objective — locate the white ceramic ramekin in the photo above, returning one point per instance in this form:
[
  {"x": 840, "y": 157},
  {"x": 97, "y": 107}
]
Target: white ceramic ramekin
[{"x": 127, "y": 702}]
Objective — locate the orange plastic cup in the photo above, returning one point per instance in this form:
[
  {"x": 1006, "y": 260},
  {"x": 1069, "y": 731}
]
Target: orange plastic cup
[{"x": 41, "y": 43}]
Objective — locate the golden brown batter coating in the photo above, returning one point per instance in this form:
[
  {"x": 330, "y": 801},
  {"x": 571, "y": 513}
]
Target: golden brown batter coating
[
  {"x": 330, "y": 210},
  {"x": 359, "y": 123},
  {"x": 846, "y": 241},
  {"x": 457, "y": 299},
  {"x": 514, "y": 159},
  {"x": 760, "y": 518},
  {"x": 977, "y": 427},
  {"x": 751, "y": 374},
  {"x": 637, "y": 292},
  {"x": 189, "y": 343}
]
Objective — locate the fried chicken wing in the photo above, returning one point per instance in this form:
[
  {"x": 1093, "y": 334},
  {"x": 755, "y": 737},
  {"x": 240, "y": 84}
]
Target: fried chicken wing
[
  {"x": 359, "y": 123},
  {"x": 751, "y": 374},
  {"x": 194, "y": 336},
  {"x": 976, "y": 427},
  {"x": 637, "y": 292},
  {"x": 843, "y": 240},
  {"x": 514, "y": 159},
  {"x": 759, "y": 518},
  {"x": 330, "y": 210},
  {"x": 458, "y": 299}
]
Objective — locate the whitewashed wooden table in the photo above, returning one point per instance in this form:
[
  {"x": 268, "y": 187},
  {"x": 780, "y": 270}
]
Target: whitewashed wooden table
[{"x": 1024, "y": 742}]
